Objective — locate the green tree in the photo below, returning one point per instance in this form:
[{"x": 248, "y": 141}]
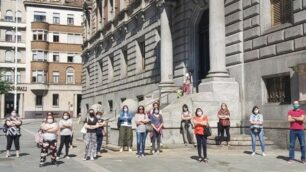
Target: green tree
[{"x": 5, "y": 87}]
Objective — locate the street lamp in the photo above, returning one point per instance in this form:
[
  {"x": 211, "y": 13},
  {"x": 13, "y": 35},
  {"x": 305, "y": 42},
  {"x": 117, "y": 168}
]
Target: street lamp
[{"x": 15, "y": 66}]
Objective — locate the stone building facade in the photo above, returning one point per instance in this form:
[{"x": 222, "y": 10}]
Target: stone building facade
[
  {"x": 51, "y": 80},
  {"x": 251, "y": 52}
]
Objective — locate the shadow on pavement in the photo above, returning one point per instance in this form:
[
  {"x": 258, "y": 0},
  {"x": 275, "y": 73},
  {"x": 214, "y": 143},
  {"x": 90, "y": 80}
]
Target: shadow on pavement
[
  {"x": 248, "y": 152},
  {"x": 285, "y": 158},
  {"x": 196, "y": 158},
  {"x": 51, "y": 164}
]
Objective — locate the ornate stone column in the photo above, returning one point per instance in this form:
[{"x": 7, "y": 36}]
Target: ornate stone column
[
  {"x": 166, "y": 59},
  {"x": 217, "y": 39}
]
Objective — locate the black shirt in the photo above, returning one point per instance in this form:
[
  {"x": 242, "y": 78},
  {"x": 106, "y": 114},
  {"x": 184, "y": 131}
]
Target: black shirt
[{"x": 91, "y": 122}]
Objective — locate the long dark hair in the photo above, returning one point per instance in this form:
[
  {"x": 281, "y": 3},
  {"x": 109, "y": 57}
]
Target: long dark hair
[
  {"x": 143, "y": 109},
  {"x": 196, "y": 112},
  {"x": 125, "y": 106},
  {"x": 185, "y": 106},
  {"x": 48, "y": 115},
  {"x": 253, "y": 110}
]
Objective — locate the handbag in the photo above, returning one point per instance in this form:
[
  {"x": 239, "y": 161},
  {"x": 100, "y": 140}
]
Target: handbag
[
  {"x": 207, "y": 130},
  {"x": 225, "y": 122},
  {"x": 148, "y": 125},
  {"x": 84, "y": 130},
  {"x": 256, "y": 130}
]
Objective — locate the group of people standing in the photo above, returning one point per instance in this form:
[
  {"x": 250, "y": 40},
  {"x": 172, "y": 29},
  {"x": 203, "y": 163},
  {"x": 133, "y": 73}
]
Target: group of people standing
[{"x": 150, "y": 124}]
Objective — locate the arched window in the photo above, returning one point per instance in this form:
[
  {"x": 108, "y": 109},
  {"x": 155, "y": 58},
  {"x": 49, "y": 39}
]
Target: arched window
[
  {"x": 9, "y": 16},
  {"x": 9, "y": 36},
  {"x": 70, "y": 75},
  {"x": 18, "y": 16},
  {"x": 9, "y": 56}
]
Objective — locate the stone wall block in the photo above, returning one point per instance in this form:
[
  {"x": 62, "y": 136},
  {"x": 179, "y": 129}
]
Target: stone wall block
[
  {"x": 251, "y": 55},
  {"x": 260, "y": 42},
  {"x": 294, "y": 32},
  {"x": 251, "y": 11},
  {"x": 300, "y": 43},
  {"x": 276, "y": 37},
  {"x": 267, "y": 51}
]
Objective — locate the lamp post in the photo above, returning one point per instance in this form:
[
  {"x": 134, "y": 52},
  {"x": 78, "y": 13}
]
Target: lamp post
[{"x": 15, "y": 66}]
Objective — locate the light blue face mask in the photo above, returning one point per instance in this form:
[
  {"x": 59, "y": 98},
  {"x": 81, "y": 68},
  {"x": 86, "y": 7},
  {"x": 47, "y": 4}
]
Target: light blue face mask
[{"x": 296, "y": 106}]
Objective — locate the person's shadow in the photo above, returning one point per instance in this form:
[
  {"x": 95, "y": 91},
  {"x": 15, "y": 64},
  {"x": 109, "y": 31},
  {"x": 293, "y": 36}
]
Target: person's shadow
[
  {"x": 196, "y": 158},
  {"x": 51, "y": 164}
]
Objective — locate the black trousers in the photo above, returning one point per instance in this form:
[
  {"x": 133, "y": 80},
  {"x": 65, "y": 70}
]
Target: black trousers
[
  {"x": 201, "y": 145},
  {"x": 10, "y": 140},
  {"x": 65, "y": 140},
  {"x": 228, "y": 136}
]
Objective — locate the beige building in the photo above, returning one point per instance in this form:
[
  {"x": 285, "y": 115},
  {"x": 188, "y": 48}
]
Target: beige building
[{"x": 52, "y": 77}]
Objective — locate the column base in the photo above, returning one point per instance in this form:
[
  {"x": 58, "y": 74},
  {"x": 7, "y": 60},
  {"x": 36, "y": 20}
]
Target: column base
[
  {"x": 167, "y": 92},
  {"x": 222, "y": 74},
  {"x": 219, "y": 85}
]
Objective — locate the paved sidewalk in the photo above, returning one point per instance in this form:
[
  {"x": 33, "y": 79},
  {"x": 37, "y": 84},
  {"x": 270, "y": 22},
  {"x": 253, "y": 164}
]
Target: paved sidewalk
[{"x": 171, "y": 160}]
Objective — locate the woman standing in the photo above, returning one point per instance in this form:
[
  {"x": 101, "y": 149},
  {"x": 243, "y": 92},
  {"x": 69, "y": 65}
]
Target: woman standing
[
  {"x": 13, "y": 134},
  {"x": 157, "y": 124},
  {"x": 90, "y": 136},
  {"x": 65, "y": 125},
  {"x": 141, "y": 119},
  {"x": 224, "y": 123},
  {"x": 49, "y": 128},
  {"x": 256, "y": 120},
  {"x": 125, "y": 131},
  {"x": 188, "y": 83},
  {"x": 186, "y": 125},
  {"x": 200, "y": 122},
  {"x": 100, "y": 131}
]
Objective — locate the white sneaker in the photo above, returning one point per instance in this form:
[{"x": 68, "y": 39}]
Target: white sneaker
[
  {"x": 263, "y": 154},
  {"x": 92, "y": 158},
  {"x": 253, "y": 154},
  {"x": 130, "y": 150}
]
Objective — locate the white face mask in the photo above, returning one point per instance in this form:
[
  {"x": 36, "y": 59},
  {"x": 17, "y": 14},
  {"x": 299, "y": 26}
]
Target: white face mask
[
  {"x": 199, "y": 113},
  {"x": 66, "y": 117},
  {"x": 125, "y": 109},
  {"x": 256, "y": 111},
  {"x": 50, "y": 121},
  {"x": 156, "y": 111},
  {"x": 99, "y": 116}
]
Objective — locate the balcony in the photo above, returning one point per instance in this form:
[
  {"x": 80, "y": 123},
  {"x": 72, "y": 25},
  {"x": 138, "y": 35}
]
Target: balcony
[
  {"x": 4, "y": 23},
  {"x": 39, "y": 86},
  {"x": 56, "y": 27},
  {"x": 39, "y": 65},
  {"x": 11, "y": 65},
  {"x": 40, "y": 45},
  {"x": 4, "y": 43}
]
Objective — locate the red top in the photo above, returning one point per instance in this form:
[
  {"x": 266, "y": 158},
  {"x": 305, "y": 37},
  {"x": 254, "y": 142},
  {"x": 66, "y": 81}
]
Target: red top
[
  {"x": 199, "y": 129},
  {"x": 296, "y": 125}
]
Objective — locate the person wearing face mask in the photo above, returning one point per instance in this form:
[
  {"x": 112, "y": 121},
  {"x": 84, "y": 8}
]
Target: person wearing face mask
[
  {"x": 186, "y": 126},
  {"x": 256, "y": 120},
  {"x": 157, "y": 124},
  {"x": 141, "y": 119},
  {"x": 66, "y": 126},
  {"x": 224, "y": 123},
  {"x": 125, "y": 131},
  {"x": 200, "y": 121},
  {"x": 13, "y": 134},
  {"x": 91, "y": 124},
  {"x": 296, "y": 119},
  {"x": 100, "y": 131},
  {"x": 50, "y": 129}
]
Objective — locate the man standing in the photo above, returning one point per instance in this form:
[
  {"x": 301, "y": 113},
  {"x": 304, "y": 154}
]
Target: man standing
[{"x": 296, "y": 119}]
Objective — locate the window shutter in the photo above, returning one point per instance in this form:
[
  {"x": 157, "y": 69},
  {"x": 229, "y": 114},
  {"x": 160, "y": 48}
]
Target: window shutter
[
  {"x": 276, "y": 12},
  {"x": 286, "y": 11}
]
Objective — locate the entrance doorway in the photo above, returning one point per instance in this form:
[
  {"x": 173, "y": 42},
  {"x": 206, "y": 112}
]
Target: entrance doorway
[
  {"x": 9, "y": 103},
  {"x": 203, "y": 47}
]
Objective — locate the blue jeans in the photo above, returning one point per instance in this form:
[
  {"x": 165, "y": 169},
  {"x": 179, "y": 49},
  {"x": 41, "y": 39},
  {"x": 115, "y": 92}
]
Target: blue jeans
[
  {"x": 261, "y": 140},
  {"x": 99, "y": 142},
  {"x": 301, "y": 136},
  {"x": 141, "y": 140}
]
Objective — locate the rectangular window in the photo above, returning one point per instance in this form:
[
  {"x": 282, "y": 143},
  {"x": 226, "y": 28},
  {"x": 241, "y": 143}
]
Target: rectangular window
[
  {"x": 18, "y": 19},
  {"x": 8, "y": 18},
  {"x": 55, "y": 37},
  {"x": 56, "y": 18},
  {"x": 38, "y": 76},
  {"x": 70, "y": 19},
  {"x": 110, "y": 104},
  {"x": 70, "y": 58},
  {"x": 55, "y": 57},
  {"x": 19, "y": 38},
  {"x": 39, "y": 56},
  {"x": 55, "y": 77},
  {"x": 55, "y": 99},
  {"x": 9, "y": 38},
  {"x": 278, "y": 89},
  {"x": 142, "y": 47},
  {"x": 39, "y": 16},
  {"x": 70, "y": 78},
  {"x": 39, "y": 100},
  {"x": 281, "y": 12}
]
